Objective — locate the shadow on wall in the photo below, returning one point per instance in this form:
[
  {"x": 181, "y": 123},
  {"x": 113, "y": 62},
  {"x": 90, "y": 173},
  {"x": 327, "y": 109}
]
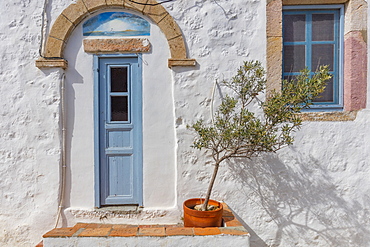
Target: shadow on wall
[{"x": 303, "y": 201}]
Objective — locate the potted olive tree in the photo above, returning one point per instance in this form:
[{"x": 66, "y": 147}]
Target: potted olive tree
[{"x": 238, "y": 130}]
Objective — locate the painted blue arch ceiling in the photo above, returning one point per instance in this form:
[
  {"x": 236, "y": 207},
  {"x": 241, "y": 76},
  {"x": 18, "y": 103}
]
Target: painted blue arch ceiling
[{"x": 116, "y": 24}]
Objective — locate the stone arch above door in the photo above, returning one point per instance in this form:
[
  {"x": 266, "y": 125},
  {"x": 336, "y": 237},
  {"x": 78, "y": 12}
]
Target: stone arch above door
[{"x": 76, "y": 12}]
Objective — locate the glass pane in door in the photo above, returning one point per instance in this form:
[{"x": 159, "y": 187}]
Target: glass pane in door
[
  {"x": 119, "y": 108},
  {"x": 119, "y": 79}
]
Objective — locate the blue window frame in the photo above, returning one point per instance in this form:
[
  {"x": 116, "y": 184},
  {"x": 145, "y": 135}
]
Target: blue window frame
[{"x": 313, "y": 36}]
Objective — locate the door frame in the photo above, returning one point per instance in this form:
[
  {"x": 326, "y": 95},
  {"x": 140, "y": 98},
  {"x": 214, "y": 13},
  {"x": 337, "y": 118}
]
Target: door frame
[{"x": 97, "y": 171}]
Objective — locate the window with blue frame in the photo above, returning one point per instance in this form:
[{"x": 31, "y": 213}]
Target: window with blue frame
[{"x": 313, "y": 36}]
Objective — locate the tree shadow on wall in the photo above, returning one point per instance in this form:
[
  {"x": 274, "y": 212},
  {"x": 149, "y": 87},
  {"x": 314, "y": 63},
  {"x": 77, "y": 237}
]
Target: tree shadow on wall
[{"x": 303, "y": 200}]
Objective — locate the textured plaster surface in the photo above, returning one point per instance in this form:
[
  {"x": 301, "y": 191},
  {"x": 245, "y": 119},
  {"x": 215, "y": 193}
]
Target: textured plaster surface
[
  {"x": 314, "y": 193},
  {"x": 29, "y": 128}
]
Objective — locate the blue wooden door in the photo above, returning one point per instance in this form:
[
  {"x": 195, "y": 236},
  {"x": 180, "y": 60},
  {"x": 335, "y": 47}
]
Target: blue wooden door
[{"x": 120, "y": 130}]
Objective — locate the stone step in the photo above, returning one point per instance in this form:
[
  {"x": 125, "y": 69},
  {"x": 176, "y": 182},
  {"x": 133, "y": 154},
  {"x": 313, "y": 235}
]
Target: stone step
[{"x": 93, "y": 234}]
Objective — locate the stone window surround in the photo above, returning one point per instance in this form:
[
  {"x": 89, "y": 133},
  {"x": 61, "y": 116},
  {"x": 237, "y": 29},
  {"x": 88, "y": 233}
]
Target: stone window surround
[
  {"x": 355, "y": 54},
  {"x": 76, "y": 12}
]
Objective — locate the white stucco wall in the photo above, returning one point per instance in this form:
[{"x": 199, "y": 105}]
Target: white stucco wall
[
  {"x": 173, "y": 241},
  {"x": 314, "y": 193},
  {"x": 29, "y": 129}
]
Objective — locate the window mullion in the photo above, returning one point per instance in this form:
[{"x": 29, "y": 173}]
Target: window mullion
[{"x": 309, "y": 41}]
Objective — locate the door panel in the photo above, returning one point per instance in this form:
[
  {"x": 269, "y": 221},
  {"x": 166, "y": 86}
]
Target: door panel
[{"x": 120, "y": 131}]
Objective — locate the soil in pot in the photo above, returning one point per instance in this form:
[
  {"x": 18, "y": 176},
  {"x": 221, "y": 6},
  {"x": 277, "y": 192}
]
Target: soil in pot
[{"x": 195, "y": 218}]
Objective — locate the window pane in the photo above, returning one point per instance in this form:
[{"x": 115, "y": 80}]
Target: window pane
[
  {"x": 323, "y": 27},
  {"x": 294, "y": 28},
  {"x": 322, "y": 55},
  {"x": 327, "y": 95},
  {"x": 119, "y": 106},
  {"x": 118, "y": 79},
  {"x": 294, "y": 58}
]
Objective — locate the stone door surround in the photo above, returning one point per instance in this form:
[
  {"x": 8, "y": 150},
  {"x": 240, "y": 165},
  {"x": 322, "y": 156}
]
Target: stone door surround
[{"x": 76, "y": 12}]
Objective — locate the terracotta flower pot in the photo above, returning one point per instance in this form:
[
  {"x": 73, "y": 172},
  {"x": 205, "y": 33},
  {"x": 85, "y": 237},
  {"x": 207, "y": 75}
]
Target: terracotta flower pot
[{"x": 195, "y": 218}]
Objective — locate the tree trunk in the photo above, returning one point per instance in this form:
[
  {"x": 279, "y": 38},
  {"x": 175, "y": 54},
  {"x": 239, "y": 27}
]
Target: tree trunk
[{"x": 209, "y": 191}]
